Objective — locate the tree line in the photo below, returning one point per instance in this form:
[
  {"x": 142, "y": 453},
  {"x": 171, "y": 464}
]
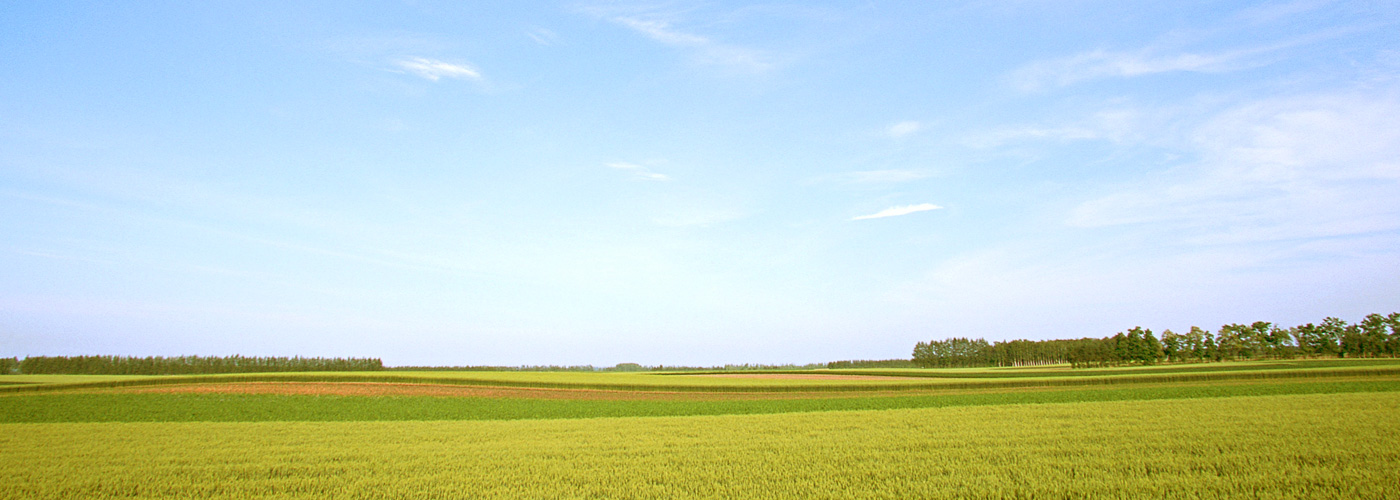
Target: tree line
[
  {"x": 1373, "y": 336},
  {"x": 872, "y": 363},
  {"x": 117, "y": 365},
  {"x": 187, "y": 365}
]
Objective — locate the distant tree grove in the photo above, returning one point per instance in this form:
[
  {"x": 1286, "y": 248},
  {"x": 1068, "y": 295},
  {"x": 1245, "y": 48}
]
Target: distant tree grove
[
  {"x": 872, "y": 363},
  {"x": 1374, "y": 336},
  {"x": 183, "y": 365}
]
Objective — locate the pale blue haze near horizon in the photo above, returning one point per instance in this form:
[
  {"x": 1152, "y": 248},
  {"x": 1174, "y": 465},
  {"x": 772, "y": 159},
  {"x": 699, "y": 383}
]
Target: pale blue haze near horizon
[{"x": 463, "y": 183}]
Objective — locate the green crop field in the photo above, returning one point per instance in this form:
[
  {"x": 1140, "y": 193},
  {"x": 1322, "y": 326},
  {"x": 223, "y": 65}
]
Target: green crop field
[{"x": 1311, "y": 429}]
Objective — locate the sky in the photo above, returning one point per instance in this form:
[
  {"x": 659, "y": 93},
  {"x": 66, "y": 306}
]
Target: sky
[{"x": 686, "y": 183}]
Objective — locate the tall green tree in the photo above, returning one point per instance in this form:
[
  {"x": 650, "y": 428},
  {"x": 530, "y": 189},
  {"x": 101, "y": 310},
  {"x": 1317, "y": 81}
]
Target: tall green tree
[
  {"x": 1256, "y": 339},
  {"x": 1332, "y": 329},
  {"x": 1196, "y": 339},
  {"x": 1230, "y": 342},
  {"x": 1392, "y": 340},
  {"x": 1172, "y": 346},
  {"x": 1374, "y": 330}
]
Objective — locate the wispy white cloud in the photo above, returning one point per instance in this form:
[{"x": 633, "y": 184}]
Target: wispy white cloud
[
  {"x": 639, "y": 171},
  {"x": 705, "y": 50},
  {"x": 1000, "y": 137},
  {"x": 1287, "y": 206},
  {"x": 1099, "y": 64},
  {"x": 892, "y": 176},
  {"x": 1163, "y": 57},
  {"x": 1279, "y": 169},
  {"x": 1271, "y": 12},
  {"x": 903, "y": 128},
  {"x": 542, "y": 36},
  {"x": 378, "y": 48},
  {"x": 1110, "y": 125},
  {"x": 662, "y": 31},
  {"x": 696, "y": 218},
  {"x": 433, "y": 69},
  {"x": 1154, "y": 59},
  {"x": 897, "y": 211}
]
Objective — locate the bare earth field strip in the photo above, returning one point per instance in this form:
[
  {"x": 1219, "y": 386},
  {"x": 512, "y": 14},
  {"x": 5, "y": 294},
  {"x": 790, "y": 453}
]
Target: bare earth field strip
[
  {"x": 451, "y": 391},
  {"x": 801, "y": 376},
  {"x": 388, "y": 389}
]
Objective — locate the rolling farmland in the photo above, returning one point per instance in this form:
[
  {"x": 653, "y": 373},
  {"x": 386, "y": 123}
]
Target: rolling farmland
[
  {"x": 1269, "y": 429},
  {"x": 699, "y": 249}
]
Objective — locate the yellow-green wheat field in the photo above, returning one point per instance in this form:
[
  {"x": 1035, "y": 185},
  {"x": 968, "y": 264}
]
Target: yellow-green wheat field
[{"x": 1297, "y": 446}]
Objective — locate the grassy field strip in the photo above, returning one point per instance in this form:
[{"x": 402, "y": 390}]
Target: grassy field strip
[
  {"x": 1065, "y": 371},
  {"x": 649, "y": 382},
  {"x": 195, "y": 407},
  {"x": 559, "y": 380},
  {"x": 1297, "y": 446}
]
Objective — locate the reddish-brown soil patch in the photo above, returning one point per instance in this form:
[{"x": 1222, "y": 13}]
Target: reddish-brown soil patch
[
  {"x": 804, "y": 376},
  {"x": 391, "y": 389},
  {"x": 383, "y": 389},
  {"x": 438, "y": 390}
]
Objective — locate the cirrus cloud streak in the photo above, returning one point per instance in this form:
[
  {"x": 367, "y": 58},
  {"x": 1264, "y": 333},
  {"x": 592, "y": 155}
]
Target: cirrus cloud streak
[
  {"x": 433, "y": 69},
  {"x": 897, "y": 211}
]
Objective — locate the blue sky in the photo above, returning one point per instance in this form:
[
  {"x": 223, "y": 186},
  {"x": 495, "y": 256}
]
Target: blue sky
[{"x": 686, "y": 183}]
